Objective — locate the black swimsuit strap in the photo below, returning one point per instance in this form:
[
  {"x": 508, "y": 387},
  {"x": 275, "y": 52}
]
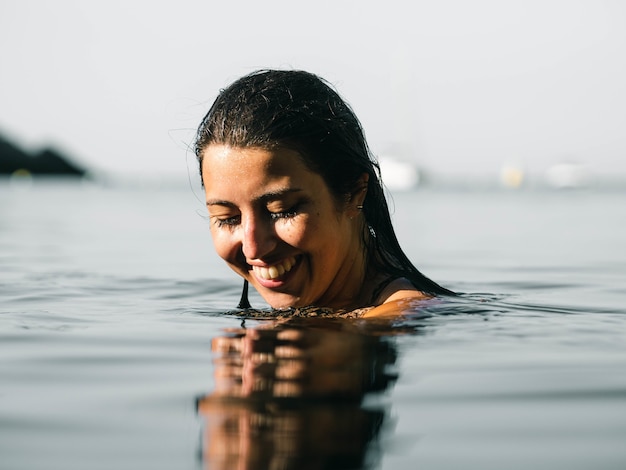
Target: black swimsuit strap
[{"x": 381, "y": 287}]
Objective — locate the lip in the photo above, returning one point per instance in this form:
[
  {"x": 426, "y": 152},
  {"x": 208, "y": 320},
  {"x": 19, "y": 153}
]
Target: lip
[{"x": 279, "y": 281}]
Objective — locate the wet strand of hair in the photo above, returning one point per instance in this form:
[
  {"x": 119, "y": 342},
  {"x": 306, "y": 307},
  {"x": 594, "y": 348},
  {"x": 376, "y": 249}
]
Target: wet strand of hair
[{"x": 304, "y": 312}]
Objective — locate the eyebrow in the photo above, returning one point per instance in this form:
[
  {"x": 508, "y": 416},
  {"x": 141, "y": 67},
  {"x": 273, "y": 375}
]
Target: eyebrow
[{"x": 264, "y": 198}]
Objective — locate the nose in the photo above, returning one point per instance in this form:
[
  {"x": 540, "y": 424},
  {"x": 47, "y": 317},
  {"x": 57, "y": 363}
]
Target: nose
[{"x": 259, "y": 237}]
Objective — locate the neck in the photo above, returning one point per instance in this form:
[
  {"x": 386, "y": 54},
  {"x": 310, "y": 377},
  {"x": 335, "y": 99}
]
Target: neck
[{"x": 353, "y": 287}]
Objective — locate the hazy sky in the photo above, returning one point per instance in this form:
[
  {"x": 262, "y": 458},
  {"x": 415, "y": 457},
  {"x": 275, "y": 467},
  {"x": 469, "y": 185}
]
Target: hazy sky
[{"x": 455, "y": 85}]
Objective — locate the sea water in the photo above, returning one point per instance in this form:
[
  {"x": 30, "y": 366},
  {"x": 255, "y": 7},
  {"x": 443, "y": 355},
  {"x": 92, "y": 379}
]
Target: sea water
[{"x": 120, "y": 344}]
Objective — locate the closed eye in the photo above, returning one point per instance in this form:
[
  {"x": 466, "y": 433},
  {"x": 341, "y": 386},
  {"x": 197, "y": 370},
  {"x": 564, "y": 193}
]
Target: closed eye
[
  {"x": 227, "y": 222},
  {"x": 283, "y": 215},
  {"x": 288, "y": 214}
]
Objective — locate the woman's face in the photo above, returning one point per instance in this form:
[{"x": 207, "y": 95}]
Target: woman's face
[{"x": 277, "y": 224}]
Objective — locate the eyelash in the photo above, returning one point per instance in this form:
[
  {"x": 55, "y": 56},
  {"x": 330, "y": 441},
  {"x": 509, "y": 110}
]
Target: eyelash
[
  {"x": 229, "y": 222},
  {"x": 288, "y": 214},
  {"x": 232, "y": 221}
]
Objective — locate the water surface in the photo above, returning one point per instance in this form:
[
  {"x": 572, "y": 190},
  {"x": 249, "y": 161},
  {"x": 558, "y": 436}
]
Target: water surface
[{"x": 117, "y": 351}]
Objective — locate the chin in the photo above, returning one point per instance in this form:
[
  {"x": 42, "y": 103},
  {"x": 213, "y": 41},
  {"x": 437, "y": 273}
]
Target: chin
[{"x": 283, "y": 301}]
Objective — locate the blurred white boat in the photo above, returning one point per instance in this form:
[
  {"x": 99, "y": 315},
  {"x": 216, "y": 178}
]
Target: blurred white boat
[
  {"x": 567, "y": 175},
  {"x": 397, "y": 174}
]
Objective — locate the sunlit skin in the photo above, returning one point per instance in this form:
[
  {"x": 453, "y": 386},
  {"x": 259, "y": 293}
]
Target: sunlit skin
[{"x": 276, "y": 224}]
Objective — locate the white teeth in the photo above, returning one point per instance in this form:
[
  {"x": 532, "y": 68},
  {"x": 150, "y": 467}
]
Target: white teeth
[{"x": 275, "y": 271}]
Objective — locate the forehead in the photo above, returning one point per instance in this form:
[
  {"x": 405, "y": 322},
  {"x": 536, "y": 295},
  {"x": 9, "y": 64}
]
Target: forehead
[
  {"x": 240, "y": 160},
  {"x": 228, "y": 169}
]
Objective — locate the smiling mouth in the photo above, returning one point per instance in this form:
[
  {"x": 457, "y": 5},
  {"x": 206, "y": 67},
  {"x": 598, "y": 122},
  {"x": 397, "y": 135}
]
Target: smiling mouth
[{"x": 276, "y": 271}]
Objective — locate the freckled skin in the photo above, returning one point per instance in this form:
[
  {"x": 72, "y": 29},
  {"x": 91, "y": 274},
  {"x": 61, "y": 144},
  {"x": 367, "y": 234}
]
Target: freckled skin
[{"x": 266, "y": 207}]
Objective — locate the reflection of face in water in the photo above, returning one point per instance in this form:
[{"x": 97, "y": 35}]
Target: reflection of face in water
[{"x": 290, "y": 396}]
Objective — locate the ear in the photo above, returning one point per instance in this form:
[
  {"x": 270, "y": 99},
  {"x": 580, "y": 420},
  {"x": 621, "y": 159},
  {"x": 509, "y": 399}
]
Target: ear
[{"x": 357, "y": 197}]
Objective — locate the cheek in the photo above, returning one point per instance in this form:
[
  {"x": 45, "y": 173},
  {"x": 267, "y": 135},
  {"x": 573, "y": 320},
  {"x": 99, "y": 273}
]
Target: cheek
[
  {"x": 224, "y": 244},
  {"x": 296, "y": 233}
]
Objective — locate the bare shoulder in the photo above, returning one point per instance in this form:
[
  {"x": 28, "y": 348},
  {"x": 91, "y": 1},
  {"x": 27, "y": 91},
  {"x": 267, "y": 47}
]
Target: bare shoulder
[{"x": 398, "y": 297}]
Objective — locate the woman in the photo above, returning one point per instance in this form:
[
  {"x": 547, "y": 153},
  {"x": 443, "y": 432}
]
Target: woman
[{"x": 296, "y": 202}]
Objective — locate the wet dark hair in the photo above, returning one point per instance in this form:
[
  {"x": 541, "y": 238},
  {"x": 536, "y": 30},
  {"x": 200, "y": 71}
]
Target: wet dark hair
[{"x": 300, "y": 111}]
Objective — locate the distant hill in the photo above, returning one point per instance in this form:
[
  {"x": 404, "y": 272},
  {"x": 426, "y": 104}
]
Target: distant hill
[{"x": 44, "y": 162}]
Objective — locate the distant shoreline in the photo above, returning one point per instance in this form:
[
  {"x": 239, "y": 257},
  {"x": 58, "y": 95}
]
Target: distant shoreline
[{"x": 14, "y": 161}]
